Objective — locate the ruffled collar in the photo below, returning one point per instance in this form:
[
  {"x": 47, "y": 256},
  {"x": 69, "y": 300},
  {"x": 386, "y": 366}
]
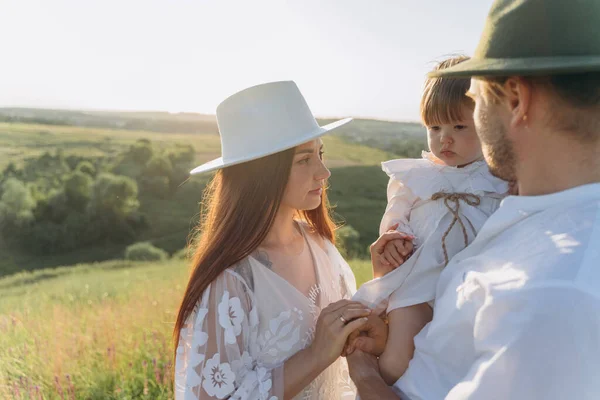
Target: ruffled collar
[
  {"x": 430, "y": 157},
  {"x": 426, "y": 175}
]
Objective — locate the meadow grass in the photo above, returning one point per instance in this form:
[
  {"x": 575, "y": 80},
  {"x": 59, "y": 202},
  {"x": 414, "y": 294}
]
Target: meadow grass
[
  {"x": 20, "y": 141},
  {"x": 94, "y": 331}
]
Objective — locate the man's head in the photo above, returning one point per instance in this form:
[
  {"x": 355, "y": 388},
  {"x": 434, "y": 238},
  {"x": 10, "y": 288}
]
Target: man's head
[
  {"x": 536, "y": 85},
  {"x": 517, "y": 115}
]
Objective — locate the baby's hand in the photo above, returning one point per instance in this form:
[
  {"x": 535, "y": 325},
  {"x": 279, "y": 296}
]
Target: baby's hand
[
  {"x": 397, "y": 251},
  {"x": 370, "y": 338},
  {"x": 380, "y": 265}
]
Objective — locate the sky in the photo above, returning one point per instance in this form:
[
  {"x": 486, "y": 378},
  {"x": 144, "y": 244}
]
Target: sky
[{"x": 349, "y": 58}]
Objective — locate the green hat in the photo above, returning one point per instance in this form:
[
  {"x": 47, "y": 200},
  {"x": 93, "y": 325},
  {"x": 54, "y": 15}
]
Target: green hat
[{"x": 535, "y": 37}]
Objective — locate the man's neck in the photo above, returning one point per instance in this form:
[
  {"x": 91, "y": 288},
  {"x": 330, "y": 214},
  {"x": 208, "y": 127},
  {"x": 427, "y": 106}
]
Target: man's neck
[{"x": 559, "y": 164}]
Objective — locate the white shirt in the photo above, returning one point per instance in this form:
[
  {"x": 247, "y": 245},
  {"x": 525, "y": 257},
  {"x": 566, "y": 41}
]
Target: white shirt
[{"x": 517, "y": 314}]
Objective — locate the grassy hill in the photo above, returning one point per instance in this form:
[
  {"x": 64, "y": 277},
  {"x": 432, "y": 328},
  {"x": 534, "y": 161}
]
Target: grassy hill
[
  {"x": 19, "y": 141},
  {"x": 401, "y": 138},
  {"x": 167, "y": 122},
  {"x": 93, "y": 331},
  {"x": 357, "y": 184}
]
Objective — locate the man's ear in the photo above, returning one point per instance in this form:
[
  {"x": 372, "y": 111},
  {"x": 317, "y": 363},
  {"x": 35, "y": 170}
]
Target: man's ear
[{"x": 518, "y": 93}]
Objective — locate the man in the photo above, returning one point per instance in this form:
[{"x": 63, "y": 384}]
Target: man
[{"x": 517, "y": 313}]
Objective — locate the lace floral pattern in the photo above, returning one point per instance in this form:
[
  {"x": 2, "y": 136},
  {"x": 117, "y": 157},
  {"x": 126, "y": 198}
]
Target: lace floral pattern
[
  {"x": 231, "y": 316},
  {"x": 218, "y": 377},
  {"x": 236, "y": 341}
]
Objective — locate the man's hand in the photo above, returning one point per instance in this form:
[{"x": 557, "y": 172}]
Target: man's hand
[
  {"x": 370, "y": 338},
  {"x": 364, "y": 372},
  {"x": 363, "y": 366},
  {"x": 380, "y": 265}
]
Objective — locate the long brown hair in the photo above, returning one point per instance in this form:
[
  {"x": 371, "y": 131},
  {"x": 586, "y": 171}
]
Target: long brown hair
[{"x": 239, "y": 208}]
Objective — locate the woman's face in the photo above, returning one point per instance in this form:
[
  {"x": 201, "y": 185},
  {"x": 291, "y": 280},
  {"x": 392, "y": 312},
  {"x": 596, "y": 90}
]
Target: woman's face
[{"x": 307, "y": 177}]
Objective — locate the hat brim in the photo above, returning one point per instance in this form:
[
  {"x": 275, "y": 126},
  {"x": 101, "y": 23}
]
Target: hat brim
[
  {"x": 276, "y": 148},
  {"x": 520, "y": 66}
]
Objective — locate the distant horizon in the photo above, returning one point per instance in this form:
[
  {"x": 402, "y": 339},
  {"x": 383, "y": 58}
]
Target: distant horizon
[{"x": 2, "y": 107}]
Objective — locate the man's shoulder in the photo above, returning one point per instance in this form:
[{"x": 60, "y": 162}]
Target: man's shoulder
[
  {"x": 551, "y": 245},
  {"x": 512, "y": 290}
]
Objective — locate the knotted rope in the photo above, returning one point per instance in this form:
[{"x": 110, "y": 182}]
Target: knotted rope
[{"x": 452, "y": 203}]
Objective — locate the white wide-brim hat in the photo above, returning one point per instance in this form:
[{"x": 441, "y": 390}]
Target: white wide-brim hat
[{"x": 264, "y": 120}]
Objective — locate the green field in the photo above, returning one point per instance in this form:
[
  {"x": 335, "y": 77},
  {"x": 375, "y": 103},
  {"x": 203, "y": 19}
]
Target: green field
[
  {"x": 357, "y": 185},
  {"x": 93, "y": 331},
  {"x": 84, "y": 324},
  {"x": 19, "y": 141}
]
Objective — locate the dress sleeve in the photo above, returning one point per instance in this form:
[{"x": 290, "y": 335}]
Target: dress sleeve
[
  {"x": 400, "y": 201},
  {"x": 216, "y": 355},
  {"x": 539, "y": 343}
]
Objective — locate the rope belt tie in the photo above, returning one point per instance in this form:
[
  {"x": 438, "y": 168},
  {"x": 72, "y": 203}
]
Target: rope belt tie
[{"x": 452, "y": 203}]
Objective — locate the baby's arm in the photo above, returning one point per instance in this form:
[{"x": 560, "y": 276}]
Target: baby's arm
[
  {"x": 404, "y": 324},
  {"x": 400, "y": 202}
]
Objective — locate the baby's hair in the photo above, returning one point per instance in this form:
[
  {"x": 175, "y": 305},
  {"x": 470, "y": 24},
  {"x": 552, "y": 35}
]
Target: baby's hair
[{"x": 443, "y": 98}]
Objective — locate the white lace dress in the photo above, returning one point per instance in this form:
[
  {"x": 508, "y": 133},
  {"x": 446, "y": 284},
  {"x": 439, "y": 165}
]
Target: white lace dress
[
  {"x": 249, "y": 321},
  {"x": 413, "y": 183}
]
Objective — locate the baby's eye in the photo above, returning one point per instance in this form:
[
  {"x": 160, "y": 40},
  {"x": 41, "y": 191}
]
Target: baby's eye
[
  {"x": 434, "y": 128},
  {"x": 460, "y": 127}
]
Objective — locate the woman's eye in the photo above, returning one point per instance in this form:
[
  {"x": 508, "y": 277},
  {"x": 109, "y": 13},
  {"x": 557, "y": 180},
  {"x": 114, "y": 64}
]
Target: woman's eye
[
  {"x": 321, "y": 153},
  {"x": 304, "y": 161}
]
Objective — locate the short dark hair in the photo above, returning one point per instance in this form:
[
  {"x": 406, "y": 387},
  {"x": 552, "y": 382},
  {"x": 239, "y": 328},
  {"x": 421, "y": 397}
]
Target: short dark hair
[{"x": 580, "y": 90}]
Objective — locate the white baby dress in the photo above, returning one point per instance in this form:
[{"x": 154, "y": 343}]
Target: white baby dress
[{"x": 413, "y": 183}]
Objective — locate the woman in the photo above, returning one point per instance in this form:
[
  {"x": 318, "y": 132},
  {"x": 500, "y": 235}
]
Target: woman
[{"x": 265, "y": 314}]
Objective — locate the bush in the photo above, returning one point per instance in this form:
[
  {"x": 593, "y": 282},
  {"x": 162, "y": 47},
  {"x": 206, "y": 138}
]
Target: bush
[
  {"x": 16, "y": 204},
  {"x": 45, "y": 237},
  {"x": 114, "y": 194},
  {"x": 183, "y": 254},
  {"x": 141, "y": 151},
  {"x": 144, "y": 251},
  {"x": 87, "y": 168},
  {"x": 158, "y": 165},
  {"x": 348, "y": 242},
  {"x": 158, "y": 186},
  {"x": 78, "y": 189}
]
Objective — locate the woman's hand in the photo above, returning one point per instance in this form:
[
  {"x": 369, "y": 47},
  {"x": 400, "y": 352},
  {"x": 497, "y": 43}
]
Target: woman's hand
[
  {"x": 336, "y": 322},
  {"x": 380, "y": 265}
]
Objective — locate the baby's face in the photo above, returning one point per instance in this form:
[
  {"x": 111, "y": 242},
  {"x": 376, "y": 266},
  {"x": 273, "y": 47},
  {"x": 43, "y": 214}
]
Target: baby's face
[{"x": 455, "y": 143}]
